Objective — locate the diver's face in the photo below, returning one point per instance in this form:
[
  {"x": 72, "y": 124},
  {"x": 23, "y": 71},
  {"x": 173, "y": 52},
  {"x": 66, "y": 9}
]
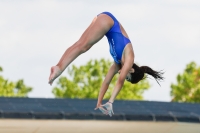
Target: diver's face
[{"x": 128, "y": 76}]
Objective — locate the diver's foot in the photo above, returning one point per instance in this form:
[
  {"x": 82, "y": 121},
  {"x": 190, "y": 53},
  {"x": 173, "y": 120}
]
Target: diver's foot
[{"x": 55, "y": 72}]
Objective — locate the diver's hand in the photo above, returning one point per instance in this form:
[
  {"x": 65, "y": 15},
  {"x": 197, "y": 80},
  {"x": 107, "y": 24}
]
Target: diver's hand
[
  {"x": 109, "y": 108},
  {"x": 104, "y": 111}
]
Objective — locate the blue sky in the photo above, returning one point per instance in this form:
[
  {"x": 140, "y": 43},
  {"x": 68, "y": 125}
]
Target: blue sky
[{"x": 34, "y": 34}]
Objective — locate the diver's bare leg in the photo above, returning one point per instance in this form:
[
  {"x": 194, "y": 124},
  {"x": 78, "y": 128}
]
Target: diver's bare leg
[{"x": 98, "y": 28}]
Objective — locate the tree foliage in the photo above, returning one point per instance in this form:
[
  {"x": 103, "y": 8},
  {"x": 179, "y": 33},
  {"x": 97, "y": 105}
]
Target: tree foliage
[
  {"x": 85, "y": 82},
  {"x": 187, "y": 88},
  {"x": 13, "y": 89}
]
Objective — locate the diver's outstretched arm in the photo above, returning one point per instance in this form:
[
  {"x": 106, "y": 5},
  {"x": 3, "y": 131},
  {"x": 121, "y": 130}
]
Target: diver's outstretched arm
[{"x": 112, "y": 71}]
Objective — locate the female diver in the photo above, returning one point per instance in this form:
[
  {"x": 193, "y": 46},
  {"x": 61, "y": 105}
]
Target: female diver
[{"x": 120, "y": 49}]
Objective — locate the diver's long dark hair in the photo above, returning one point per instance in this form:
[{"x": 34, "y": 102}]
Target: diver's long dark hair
[{"x": 140, "y": 73}]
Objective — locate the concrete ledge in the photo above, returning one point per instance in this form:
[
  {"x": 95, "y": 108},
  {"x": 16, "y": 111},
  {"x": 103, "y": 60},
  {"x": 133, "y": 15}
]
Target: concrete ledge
[{"x": 94, "y": 126}]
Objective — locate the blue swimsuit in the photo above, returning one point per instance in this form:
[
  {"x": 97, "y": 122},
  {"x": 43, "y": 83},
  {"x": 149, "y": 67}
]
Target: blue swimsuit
[{"x": 116, "y": 39}]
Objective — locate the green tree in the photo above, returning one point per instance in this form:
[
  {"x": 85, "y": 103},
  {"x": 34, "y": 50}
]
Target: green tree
[
  {"x": 85, "y": 82},
  {"x": 13, "y": 89},
  {"x": 187, "y": 88}
]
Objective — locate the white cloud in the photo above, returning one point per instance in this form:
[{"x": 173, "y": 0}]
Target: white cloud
[{"x": 183, "y": 2}]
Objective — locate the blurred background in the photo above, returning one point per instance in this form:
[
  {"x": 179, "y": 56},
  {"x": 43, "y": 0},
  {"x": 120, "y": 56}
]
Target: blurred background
[{"x": 34, "y": 35}]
